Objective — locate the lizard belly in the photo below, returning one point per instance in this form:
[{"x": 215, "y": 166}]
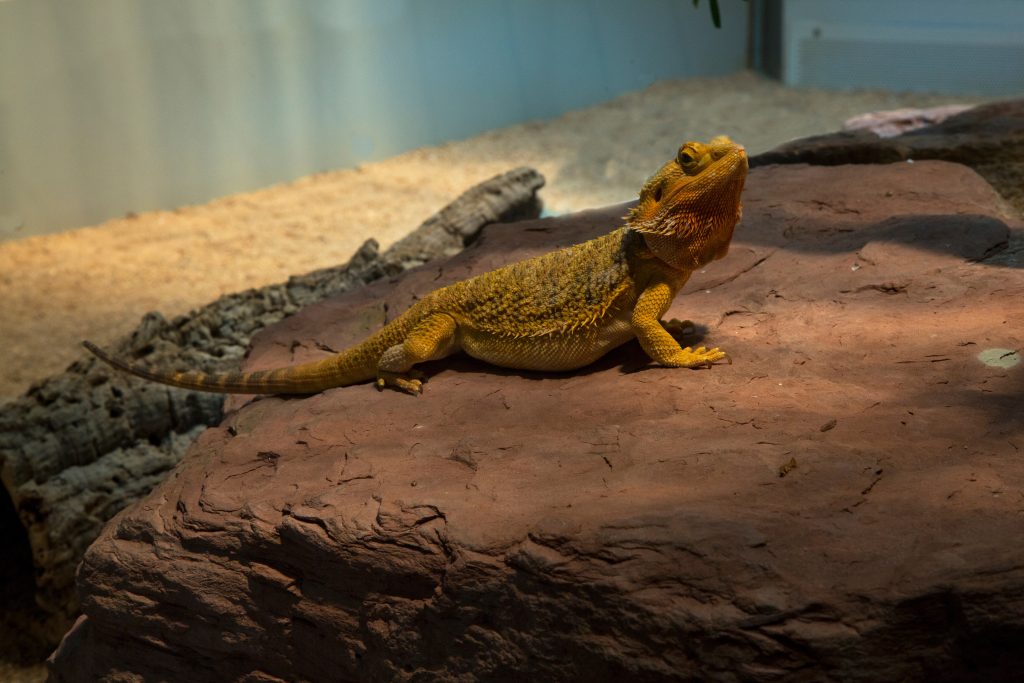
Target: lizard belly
[{"x": 550, "y": 352}]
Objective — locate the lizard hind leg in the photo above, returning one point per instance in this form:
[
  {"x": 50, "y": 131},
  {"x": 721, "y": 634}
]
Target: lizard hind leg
[{"x": 432, "y": 338}]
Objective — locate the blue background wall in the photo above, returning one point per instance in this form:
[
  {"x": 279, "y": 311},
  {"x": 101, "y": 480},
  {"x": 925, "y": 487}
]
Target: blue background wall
[{"x": 111, "y": 106}]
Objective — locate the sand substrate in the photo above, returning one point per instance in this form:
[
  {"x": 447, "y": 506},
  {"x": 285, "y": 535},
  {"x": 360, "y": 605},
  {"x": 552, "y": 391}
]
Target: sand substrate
[{"x": 96, "y": 282}]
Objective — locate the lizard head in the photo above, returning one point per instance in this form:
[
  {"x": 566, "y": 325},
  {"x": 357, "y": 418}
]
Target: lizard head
[{"x": 689, "y": 208}]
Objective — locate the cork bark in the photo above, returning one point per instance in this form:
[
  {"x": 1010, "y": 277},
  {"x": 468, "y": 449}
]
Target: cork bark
[{"x": 84, "y": 444}]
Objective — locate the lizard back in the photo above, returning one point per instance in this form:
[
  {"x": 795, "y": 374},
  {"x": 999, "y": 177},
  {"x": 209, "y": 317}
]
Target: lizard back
[{"x": 563, "y": 291}]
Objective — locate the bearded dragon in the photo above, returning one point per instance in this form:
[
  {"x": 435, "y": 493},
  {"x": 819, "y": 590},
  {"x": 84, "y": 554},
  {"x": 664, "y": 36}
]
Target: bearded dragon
[{"x": 559, "y": 311}]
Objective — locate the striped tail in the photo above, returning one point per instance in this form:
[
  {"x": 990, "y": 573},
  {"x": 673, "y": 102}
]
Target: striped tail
[
  {"x": 352, "y": 366},
  {"x": 308, "y": 378}
]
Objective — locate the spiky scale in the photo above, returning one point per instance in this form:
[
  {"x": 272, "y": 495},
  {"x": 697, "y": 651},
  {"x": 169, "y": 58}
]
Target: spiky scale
[{"x": 559, "y": 311}]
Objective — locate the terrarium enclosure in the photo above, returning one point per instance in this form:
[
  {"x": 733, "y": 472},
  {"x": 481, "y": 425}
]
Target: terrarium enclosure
[{"x": 258, "y": 184}]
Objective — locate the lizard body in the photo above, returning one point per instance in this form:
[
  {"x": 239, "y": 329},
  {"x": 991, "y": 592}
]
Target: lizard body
[{"x": 559, "y": 311}]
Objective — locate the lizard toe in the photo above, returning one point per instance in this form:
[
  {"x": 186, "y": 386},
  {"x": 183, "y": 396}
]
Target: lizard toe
[
  {"x": 406, "y": 382},
  {"x": 701, "y": 357}
]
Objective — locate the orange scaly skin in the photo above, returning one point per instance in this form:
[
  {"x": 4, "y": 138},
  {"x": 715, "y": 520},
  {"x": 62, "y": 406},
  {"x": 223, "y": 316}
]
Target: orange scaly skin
[{"x": 559, "y": 311}]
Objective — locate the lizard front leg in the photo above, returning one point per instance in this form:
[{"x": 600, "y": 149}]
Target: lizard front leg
[
  {"x": 431, "y": 338},
  {"x": 656, "y": 340}
]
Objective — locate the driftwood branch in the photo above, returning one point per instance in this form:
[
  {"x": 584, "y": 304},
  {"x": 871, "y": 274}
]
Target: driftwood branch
[{"x": 80, "y": 446}]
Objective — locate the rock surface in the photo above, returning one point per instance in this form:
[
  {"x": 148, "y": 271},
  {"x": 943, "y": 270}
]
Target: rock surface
[
  {"x": 843, "y": 502},
  {"x": 893, "y": 122},
  {"x": 989, "y": 138},
  {"x": 82, "y": 445}
]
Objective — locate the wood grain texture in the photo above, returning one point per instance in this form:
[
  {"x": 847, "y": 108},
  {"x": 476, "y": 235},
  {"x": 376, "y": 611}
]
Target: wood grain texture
[{"x": 84, "y": 444}]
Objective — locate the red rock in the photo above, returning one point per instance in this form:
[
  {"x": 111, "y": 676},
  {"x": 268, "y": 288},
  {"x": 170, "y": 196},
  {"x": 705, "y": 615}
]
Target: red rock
[
  {"x": 843, "y": 502},
  {"x": 986, "y": 135}
]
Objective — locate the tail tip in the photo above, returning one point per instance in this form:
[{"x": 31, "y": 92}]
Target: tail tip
[{"x": 95, "y": 350}]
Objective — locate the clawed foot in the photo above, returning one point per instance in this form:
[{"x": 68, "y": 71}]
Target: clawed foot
[
  {"x": 410, "y": 382},
  {"x": 699, "y": 357}
]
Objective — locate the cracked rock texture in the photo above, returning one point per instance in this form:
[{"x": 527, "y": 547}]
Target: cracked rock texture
[
  {"x": 844, "y": 502},
  {"x": 989, "y": 138},
  {"x": 86, "y": 443}
]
